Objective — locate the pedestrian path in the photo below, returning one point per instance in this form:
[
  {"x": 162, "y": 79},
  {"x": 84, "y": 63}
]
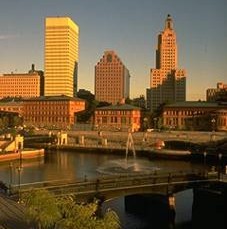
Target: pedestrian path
[{"x": 11, "y": 214}]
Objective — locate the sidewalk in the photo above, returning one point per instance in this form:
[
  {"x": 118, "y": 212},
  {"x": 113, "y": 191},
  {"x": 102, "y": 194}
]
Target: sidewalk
[{"x": 11, "y": 214}]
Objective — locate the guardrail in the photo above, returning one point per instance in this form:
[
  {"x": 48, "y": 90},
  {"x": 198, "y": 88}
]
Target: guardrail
[{"x": 108, "y": 183}]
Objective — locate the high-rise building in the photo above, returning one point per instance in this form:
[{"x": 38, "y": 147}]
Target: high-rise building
[
  {"x": 112, "y": 79},
  {"x": 61, "y": 56},
  {"x": 167, "y": 82}
]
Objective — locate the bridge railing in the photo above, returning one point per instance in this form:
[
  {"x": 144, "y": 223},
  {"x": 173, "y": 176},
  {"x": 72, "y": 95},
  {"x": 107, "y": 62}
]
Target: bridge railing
[{"x": 60, "y": 187}]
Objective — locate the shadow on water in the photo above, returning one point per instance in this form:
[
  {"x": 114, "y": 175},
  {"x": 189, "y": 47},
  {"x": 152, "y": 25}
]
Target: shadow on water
[{"x": 152, "y": 213}]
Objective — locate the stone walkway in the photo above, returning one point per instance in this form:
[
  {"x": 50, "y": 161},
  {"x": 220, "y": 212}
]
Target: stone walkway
[{"x": 11, "y": 214}]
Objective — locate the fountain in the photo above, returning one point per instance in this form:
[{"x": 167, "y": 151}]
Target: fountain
[{"x": 127, "y": 166}]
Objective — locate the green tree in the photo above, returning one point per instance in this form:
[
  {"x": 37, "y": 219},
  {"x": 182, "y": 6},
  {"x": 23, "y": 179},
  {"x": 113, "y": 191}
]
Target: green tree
[
  {"x": 41, "y": 208},
  {"x": 65, "y": 213}
]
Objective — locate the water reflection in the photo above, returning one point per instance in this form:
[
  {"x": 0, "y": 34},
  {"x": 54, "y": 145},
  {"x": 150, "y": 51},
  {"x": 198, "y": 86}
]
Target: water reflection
[
  {"x": 132, "y": 221},
  {"x": 73, "y": 165}
]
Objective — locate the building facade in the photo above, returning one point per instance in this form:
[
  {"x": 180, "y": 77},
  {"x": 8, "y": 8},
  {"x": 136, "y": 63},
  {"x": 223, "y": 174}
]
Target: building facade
[
  {"x": 214, "y": 94},
  {"x": 121, "y": 117},
  {"x": 20, "y": 85},
  {"x": 112, "y": 79},
  {"x": 61, "y": 56},
  {"x": 195, "y": 116},
  {"x": 11, "y": 106},
  {"x": 167, "y": 82},
  {"x": 52, "y": 111}
]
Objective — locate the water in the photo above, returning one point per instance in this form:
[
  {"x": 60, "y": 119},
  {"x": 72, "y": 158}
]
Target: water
[{"x": 71, "y": 165}]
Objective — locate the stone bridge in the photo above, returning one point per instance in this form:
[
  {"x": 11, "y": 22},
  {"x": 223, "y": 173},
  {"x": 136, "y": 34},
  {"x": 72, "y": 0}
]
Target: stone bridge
[{"x": 108, "y": 187}]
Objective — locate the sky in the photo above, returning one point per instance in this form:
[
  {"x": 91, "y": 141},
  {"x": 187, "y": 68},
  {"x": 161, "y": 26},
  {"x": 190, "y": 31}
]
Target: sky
[{"x": 130, "y": 28}]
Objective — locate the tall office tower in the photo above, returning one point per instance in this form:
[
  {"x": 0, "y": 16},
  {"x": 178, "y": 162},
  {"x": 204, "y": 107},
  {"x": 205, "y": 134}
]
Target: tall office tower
[
  {"x": 167, "y": 82},
  {"x": 61, "y": 56},
  {"x": 112, "y": 79}
]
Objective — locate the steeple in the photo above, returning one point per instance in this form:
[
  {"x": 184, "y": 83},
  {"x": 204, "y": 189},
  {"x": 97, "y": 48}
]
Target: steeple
[{"x": 169, "y": 22}]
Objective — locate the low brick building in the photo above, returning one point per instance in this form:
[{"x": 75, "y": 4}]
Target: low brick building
[
  {"x": 118, "y": 117},
  {"x": 52, "y": 111},
  {"x": 195, "y": 116}
]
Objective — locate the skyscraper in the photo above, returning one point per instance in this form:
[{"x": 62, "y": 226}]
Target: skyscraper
[
  {"x": 112, "y": 79},
  {"x": 167, "y": 82},
  {"x": 61, "y": 56}
]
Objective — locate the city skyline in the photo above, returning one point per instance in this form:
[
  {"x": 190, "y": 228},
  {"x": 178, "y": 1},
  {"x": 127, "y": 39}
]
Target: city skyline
[{"x": 130, "y": 28}]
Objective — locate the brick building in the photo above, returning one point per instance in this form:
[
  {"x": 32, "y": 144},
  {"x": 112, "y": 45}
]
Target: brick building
[
  {"x": 52, "y": 111},
  {"x": 118, "y": 117},
  {"x": 112, "y": 79},
  {"x": 11, "y": 105},
  {"x": 195, "y": 116}
]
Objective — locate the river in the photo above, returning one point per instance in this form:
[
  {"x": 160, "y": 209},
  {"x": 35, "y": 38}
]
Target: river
[{"x": 74, "y": 165}]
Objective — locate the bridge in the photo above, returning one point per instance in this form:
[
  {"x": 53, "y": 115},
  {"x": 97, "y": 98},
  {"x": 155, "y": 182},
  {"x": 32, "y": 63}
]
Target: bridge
[{"x": 108, "y": 187}]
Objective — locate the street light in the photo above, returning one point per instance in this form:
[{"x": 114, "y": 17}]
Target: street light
[
  {"x": 10, "y": 176},
  {"x": 19, "y": 176},
  {"x": 213, "y": 124},
  {"x": 204, "y": 159},
  {"x": 155, "y": 123},
  {"x": 213, "y": 121},
  {"x": 19, "y": 183},
  {"x": 219, "y": 165}
]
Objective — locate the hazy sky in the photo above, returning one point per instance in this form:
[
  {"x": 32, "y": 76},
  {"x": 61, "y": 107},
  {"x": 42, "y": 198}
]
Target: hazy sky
[{"x": 130, "y": 27}]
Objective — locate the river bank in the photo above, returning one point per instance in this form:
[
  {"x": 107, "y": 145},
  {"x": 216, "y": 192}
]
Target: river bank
[{"x": 24, "y": 154}]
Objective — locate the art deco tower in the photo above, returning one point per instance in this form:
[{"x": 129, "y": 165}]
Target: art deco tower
[
  {"x": 112, "y": 79},
  {"x": 167, "y": 82},
  {"x": 61, "y": 56}
]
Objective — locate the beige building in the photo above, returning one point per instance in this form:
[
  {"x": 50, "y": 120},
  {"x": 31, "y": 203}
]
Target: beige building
[
  {"x": 20, "y": 85},
  {"x": 61, "y": 56},
  {"x": 167, "y": 82},
  {"x": 112, "y": 79}
]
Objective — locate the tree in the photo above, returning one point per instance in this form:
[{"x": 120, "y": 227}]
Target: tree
[
  {"x": 65, "y": 213},
  {"x": 41, "y": 208}
]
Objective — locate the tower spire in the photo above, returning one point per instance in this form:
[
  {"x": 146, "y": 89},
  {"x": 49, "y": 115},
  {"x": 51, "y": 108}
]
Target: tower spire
[{"x": 169, "y": 22}]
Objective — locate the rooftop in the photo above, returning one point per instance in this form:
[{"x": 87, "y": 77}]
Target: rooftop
[
  {"x": 196, "y": 104},
  {"x": 119, "y": 107}
]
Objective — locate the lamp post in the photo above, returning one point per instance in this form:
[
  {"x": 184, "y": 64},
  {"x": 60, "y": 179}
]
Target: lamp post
[
  {"x": 145, "y": 123},
  {"x": 194, "y": 120},
  {"x": 219, "y": 165},
  {"x": 155, "y": 123},
  {"x": 204, "y": 159},
  {"x": 213, "y": 121},
  {"x": 19, "y": 176},
  {"x": 19, "y": 184},
  {"x": 213, "y": 124},
  {"x": 10, "y": 176}
]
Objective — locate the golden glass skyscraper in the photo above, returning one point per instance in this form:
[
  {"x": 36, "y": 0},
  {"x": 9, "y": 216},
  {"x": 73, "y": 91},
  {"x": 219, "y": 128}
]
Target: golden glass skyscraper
[
  {"x": 61, "y": 56},
  {"x": 167, "y": 82}
]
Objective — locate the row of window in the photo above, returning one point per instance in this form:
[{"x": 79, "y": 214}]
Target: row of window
[
  {"x": 114, "y": 119},
  {"x": 47, "y": 119},
  {"x": 184, "y": 112},
  {"x": 113, "y": 112}
]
